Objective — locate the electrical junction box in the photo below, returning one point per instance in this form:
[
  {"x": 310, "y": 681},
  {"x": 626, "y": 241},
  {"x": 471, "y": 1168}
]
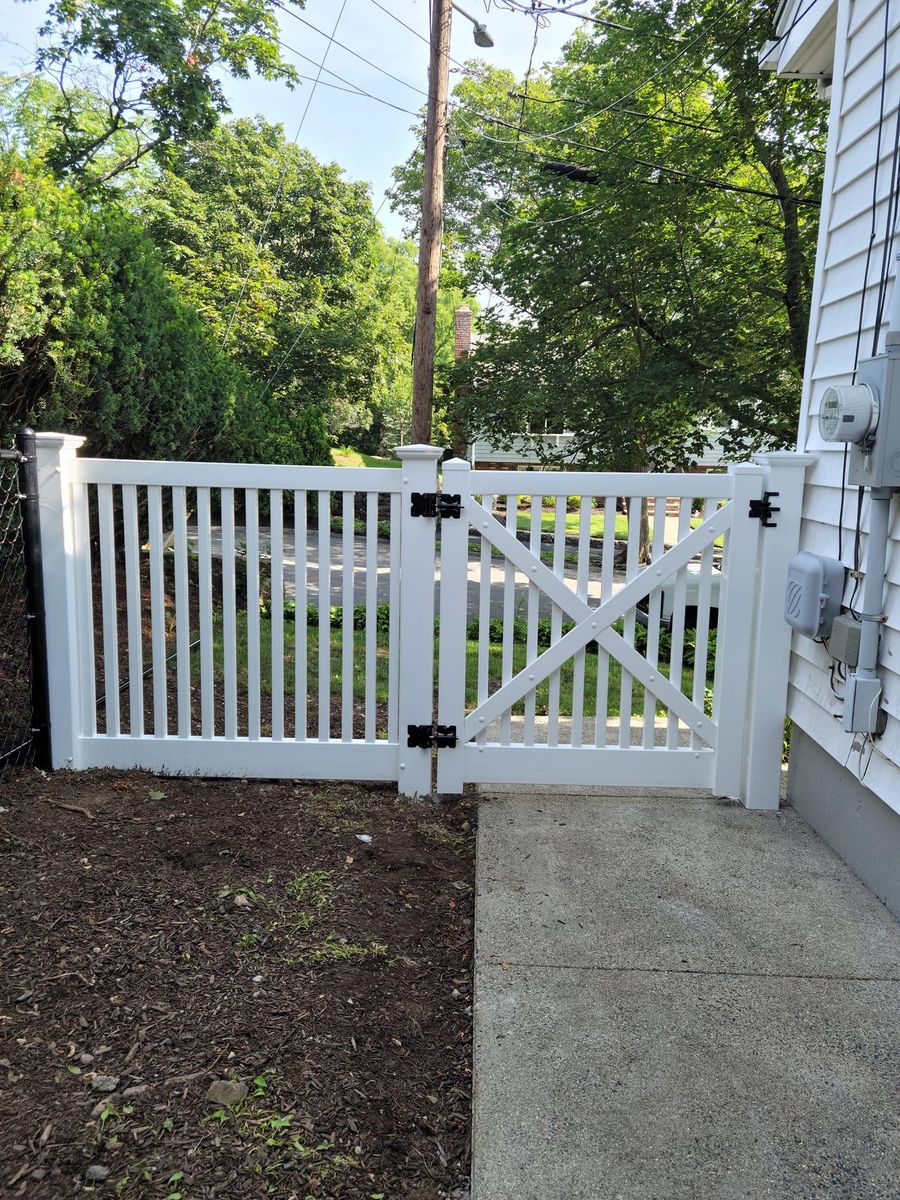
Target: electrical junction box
[
  {"x": 843, "y": 644},
  {"x": 875, "y": 461},
  {"x": 815, "y": 587}
]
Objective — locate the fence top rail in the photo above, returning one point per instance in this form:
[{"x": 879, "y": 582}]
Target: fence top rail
[
  {"x": 234, "y": 475},
  {"x": 719, "y": 486}
]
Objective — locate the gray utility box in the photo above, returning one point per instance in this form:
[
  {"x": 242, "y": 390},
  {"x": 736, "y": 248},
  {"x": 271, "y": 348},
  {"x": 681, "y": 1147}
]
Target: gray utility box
[
  {"x": 844, "y": 643},
  {"x": 815, "y": 587},
  {"x": 880, "y": 467}
]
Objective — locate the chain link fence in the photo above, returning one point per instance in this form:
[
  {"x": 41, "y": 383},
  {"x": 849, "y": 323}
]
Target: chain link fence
[{"x": 16, "y": 694}]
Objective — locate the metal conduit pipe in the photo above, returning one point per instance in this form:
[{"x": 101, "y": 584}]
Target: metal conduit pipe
[{"x": 872, "y": 614}]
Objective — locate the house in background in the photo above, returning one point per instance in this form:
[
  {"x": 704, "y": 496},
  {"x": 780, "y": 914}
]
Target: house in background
[{"x": 850, "y": 793}]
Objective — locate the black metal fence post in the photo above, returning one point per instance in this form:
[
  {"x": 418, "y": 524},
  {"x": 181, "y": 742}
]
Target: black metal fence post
[{"x": 34, "y": 591}]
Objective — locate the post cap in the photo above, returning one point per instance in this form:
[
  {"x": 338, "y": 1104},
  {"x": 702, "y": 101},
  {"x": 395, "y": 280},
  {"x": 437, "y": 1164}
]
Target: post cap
[{"x": 420, "y": 451}]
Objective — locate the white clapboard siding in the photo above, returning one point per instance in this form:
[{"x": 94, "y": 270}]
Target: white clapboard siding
[{"x": 838, "y": 300}]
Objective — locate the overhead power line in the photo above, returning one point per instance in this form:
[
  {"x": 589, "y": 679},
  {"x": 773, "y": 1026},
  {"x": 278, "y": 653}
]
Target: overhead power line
[
  {"x": 701, "y": 180},
  {"x": 368, "y": 61},
  {"x": 353, "y": 89}
]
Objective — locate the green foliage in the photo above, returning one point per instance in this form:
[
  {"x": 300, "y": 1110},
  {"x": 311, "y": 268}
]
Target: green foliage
[
  {"x": 642, "y": 305},
  {"x": 93, "y": 337},
  {"x": 155, "y": 72},
  {"x": 280, "y": 255}
]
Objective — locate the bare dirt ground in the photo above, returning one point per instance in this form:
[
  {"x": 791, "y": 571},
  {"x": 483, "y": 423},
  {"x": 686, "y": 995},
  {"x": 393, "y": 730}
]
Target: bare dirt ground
[{"x": 216, "y": 988}]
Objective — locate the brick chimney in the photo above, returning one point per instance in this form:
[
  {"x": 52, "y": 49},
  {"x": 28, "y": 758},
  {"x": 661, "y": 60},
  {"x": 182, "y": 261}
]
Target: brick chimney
[{"x": 462, "y": 332}]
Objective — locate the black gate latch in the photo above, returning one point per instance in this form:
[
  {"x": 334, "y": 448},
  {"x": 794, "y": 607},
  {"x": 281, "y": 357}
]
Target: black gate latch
[
  {"x": 423, "y": 737},
  {"x": 763, "y": 509},
  {"x": 435, "y": 504}
]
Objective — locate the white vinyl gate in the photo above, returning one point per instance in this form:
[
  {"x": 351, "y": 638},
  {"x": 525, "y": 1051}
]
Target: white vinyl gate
[{"x": 268, "y": 621}]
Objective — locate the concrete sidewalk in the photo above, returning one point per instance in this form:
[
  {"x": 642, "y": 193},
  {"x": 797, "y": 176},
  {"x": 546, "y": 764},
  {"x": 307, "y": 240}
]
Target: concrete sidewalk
[{"x": 679, "y": 1000}]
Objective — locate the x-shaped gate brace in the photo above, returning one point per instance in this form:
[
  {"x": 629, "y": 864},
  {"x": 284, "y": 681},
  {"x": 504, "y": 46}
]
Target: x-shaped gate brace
[{"x": 594, "y": 624}]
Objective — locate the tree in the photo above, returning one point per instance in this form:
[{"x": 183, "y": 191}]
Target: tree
[
  {"x": 279, "y": 254},
  {"x": 156, "y": 65},
  {"x": 646, "y": 216},
  {"x": 93, "y": 338}
]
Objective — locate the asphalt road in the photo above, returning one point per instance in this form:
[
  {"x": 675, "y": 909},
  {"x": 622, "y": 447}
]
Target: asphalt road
[{"x": 360, "y": 567}]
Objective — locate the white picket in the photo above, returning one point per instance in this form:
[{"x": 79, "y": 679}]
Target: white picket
[
  {"x": 371, "y": 634},
  {"x": 205, "y": 601},
  {"x": 347, "y": 647},
  {"x": 301, "y": 644},
  {"x": 276, "y": 610},
  {"x": 157, "y": 612},
  {"x": 229, "y": 615},
  {"x": 182, "y": 613},
  {"x": 110, "y": 614},
  {"x": 133, "y": 603}
]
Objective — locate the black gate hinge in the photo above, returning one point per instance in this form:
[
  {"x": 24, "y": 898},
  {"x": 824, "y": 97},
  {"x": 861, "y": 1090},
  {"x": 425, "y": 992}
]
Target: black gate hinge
[
  {"x": 435, "y": 504},
  {"x": 763, "y": 509},
  {"x": 423, "y": 737}
]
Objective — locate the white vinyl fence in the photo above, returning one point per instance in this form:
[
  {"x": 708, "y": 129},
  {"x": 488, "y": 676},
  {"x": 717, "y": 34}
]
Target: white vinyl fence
[{"x": 267, "y": 621}]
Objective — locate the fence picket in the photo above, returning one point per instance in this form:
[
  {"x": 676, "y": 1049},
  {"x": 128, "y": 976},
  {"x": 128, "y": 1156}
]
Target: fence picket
[
  {"x": 110, "y": 614},
  {"x": 679, "y": 602},
  {"x": 301, "y": 624},
  {"x": 394, "y": 625},
  {"x": 581, "y": 590},
  {"x": 531, "y": 635},
  {"x": 133, "y": 605},
  {"x": 251, "y": 508},
  {"x": 205, "y": 600},
  {"x": 654, "y": 604},
  {"x": 484, "y": 615},
  {"x": 607, "y": 567},
  {"x": 509, "y": 614},
  {"x": 635, "y": 514},
  {"x": 157, "y": 612},
  {"x": 347, "y": 637},
  {"x": 276, "y": 610},
  {"x": 559, "y": 565},
  {"x": 229, "y": 615},
  {"x": 182, "y": 613},
  {"x": 324, "y": 599},
  {"x": 371, "y": 651}
]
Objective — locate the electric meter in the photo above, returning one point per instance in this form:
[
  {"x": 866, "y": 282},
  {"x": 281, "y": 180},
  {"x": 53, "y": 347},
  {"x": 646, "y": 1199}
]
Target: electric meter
[{"x": 848, "y": 413}]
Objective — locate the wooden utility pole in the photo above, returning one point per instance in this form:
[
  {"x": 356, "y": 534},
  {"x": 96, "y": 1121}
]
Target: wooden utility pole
[{"x": 432, "y": 229}]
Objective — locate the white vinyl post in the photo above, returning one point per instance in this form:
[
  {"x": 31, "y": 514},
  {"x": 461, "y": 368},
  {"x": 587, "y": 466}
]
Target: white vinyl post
[
  {"x": 734, "y": 641},
  {"x": 59, "y": 552},
  {"x": 454, "y": 605},
  {"x": 418, "y": 539},
  {"x": 785, "y": 473}
]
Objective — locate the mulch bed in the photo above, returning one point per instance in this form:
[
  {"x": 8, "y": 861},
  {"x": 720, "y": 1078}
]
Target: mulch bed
[{"x": 159, "y": 936}]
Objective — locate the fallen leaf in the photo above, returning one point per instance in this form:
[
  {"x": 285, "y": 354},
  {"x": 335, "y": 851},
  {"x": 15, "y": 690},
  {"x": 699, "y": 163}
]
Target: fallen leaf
[{"x": 157, "y": 795}]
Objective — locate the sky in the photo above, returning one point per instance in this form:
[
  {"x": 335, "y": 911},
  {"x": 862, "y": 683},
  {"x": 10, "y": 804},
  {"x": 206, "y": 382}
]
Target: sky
[{"x": 365, "y": 137}]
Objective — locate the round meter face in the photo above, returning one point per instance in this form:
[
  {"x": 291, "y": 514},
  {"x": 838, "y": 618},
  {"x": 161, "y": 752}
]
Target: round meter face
[
  {"x": 830, "y": 415},
  {"x": 848, "y": 413}
]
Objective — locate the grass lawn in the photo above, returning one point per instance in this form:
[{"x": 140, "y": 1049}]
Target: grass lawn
[
  {"x": 343, "y": 456},
  {"x": 548, "y": 523},
  {"x": 495, "y": 660}
]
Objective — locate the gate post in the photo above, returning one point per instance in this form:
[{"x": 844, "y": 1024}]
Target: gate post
[
  {"x": 29, "y": 506},
  {"x": 55, "y": 451},
  {"x": 418, "y": 541},
  {"x": 454, "y": 614},
  {"x": 734, "y": 641},
  {"x": 785, "y": 474}
]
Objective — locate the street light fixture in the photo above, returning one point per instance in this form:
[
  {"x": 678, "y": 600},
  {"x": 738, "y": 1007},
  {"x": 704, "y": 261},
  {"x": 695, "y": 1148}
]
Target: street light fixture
[{"x": 480, "y": 33}]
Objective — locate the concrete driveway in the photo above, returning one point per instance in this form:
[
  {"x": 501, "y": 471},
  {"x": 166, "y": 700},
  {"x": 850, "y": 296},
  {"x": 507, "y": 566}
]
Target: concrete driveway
[{"x": 678, "y": 1000}]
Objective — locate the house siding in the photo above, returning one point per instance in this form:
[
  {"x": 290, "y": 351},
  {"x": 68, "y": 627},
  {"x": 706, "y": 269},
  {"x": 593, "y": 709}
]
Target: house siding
[{"x": 850, "y": 179}]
